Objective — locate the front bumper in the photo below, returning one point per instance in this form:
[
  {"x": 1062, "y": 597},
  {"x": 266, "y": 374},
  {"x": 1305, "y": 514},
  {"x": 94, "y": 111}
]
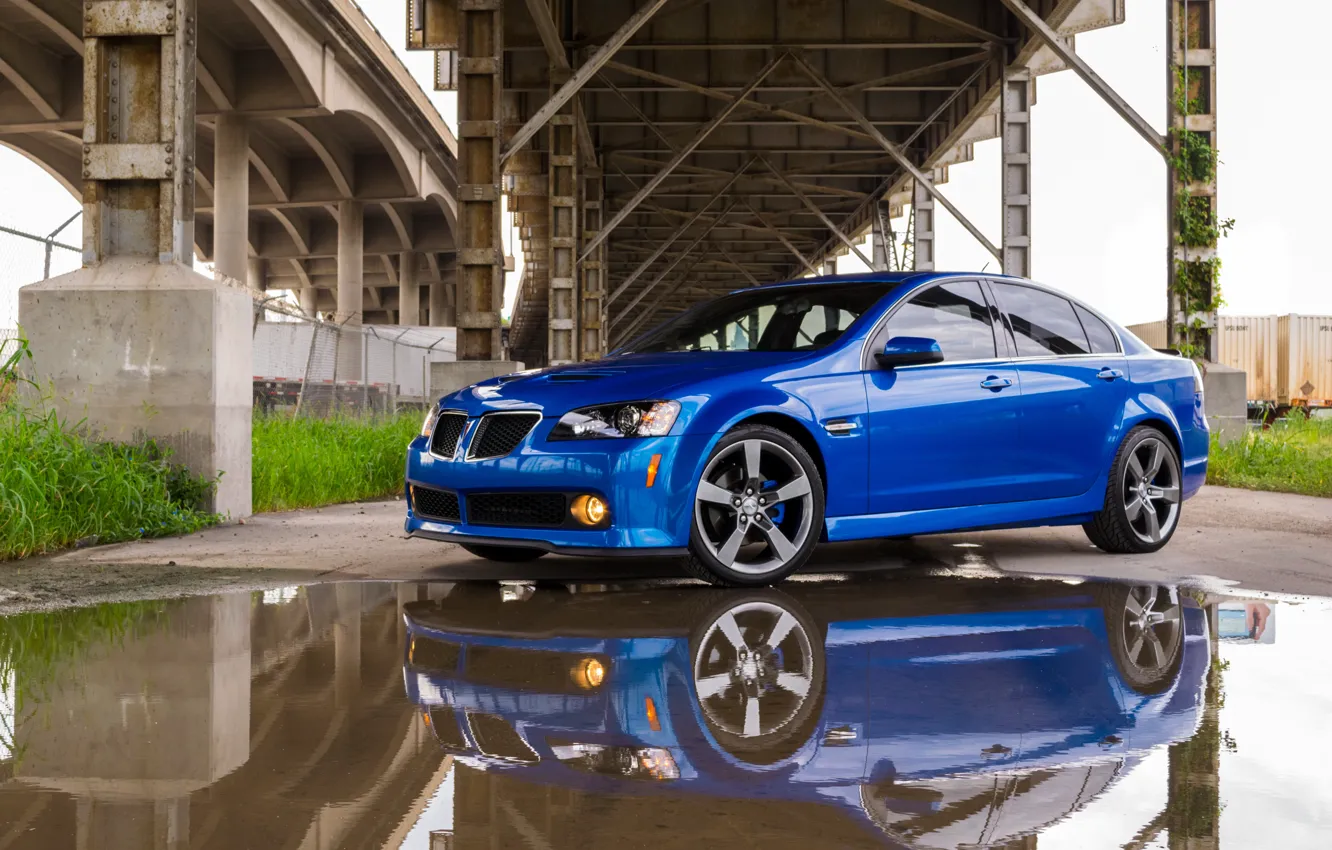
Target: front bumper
[{"x": 642, "y": 518}]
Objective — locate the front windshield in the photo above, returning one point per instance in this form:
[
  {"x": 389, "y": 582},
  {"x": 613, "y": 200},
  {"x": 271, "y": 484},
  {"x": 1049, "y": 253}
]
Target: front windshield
[{"x": 777, "y": 318}]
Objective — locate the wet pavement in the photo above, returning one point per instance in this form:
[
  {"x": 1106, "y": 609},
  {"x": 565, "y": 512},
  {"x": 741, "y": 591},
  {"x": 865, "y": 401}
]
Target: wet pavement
[{"x": 924, "y": 708}]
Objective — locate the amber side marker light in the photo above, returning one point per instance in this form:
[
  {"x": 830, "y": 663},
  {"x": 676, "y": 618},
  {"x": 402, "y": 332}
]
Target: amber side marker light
[
  {"x": 654, "y": 723},
  {"x": 652, "y": 469},
  {"x": 589, "y": 510}
]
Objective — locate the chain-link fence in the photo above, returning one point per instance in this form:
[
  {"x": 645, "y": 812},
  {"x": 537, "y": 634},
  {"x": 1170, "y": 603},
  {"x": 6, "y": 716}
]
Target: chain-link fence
[{"x": 310, "y": 367}]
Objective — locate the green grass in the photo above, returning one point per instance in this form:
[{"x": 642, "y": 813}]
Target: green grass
[
  {"x": 58, "y": 488},
  {"x": 304, "y": 463},
  {"x": 1293, "y": 456}
]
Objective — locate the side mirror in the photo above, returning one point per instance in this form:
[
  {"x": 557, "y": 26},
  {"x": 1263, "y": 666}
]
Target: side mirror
[{"x": 909, "y": 351}]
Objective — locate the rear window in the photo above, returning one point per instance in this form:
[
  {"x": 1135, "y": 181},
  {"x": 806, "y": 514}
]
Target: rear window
[
  {"x": 1043, "y": 323},
  {"x": 1100, "y": 336}
]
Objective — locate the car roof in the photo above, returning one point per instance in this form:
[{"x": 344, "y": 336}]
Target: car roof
[{"x": 913, "y": 277}]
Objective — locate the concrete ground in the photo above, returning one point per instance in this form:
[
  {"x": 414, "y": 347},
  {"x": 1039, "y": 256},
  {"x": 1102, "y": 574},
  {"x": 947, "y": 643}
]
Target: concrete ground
[{"x": 1259, "y": 541}]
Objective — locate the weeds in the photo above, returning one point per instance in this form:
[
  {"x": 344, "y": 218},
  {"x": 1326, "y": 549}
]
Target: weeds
[
  {"x": 58, "y": 488},
  {"x": 1293, "y": 456},
  {"x": 302, "y": 463}
]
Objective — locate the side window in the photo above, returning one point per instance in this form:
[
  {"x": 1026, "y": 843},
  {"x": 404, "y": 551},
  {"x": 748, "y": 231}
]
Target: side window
[
  {"x": 822, "y": 325},
  {"x": 1043, "y": 323},
  {"x": 1098, "y": 333},
  {"x": 954, "y": 314}
]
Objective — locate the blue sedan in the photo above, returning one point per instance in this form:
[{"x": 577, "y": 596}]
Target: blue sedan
[{"x": 750, "y": 428}]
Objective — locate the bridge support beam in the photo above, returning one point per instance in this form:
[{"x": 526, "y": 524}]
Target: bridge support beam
[
  {"x": 562, "y": 231},
  {"x": 480, "y": 135},
  {"x": 136, "y": 329},
  {"x": 409, "y": 290},
  {"x": 231, "y": 196},
  {"x": 922, "y": 239},
  {"x": 351, "y": 294},
  {"x": 442, "y": 310},
  {"x": 1015, "y": 137},
  {"x": 592, "y": 271}
]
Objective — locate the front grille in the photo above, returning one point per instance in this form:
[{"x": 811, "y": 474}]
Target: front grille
[
  {"x": 448, "y": 429},
  {"x": 516, "y": 509},
  {"x": 444, "y": 723},
  {"x": 495, "y": 737},
  {"x": 500, "y": 433},
  {"x": 435, "y": 504}
]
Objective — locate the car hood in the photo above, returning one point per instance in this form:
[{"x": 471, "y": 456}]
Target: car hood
[{"x": 636, "y": 377}]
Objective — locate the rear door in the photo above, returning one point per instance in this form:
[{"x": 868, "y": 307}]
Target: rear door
[
  {"x": 1074, "y": 384},
  {"x": 939, "y": 432}
]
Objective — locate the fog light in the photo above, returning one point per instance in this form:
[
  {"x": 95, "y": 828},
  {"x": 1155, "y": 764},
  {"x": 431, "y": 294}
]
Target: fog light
[
  {"x": 589, "y": 510},
  {"x": 589, "y": 674}
]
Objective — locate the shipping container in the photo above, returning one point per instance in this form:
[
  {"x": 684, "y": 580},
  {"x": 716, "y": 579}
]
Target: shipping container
[
  {"x": 1251, "y": 343},
  {"x": 1306, "y": 374},
  {"x": 1287, "y": 359}
]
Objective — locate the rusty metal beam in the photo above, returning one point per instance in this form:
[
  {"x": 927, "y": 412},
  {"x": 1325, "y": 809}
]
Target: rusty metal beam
[
  {"x": 670, "y": 266},
  {"x": 947, "y": 20},
  {"x": 814, "y": 208},
  {"x": 902, "y": 159},
  {"x": 782, "y": 238},
  {"x": 1037, "y": 24},
  {"x": 679, "y": 157},
  {"x": 580, "y": 77}
]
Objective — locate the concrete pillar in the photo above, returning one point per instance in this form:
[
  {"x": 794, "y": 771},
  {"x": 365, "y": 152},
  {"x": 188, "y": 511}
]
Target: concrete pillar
[
  {"x": 231, "y": 193},
  {"x": 442, "y": 314},
  {"x": 351, "y": 294},
  {"x": 829, "y": 266},
  {"x": 1195, "y": 227},
  {"x": 879, "y": 238},
  {"x": 309, "y": 299},
  {"x": 480, "y": 260},
  {"x": 922, "y": 239},
  {"x": 136, "y": 343},
  {"x": 256, "y": 275},
  {"x": 409, "y": 291},
  {"x": 1015, "y": 133}
]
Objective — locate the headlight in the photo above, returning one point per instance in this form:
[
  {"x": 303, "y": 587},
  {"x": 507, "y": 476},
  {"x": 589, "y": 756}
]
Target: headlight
[
  {"x": 630, "y": 762},
  {"x": 611, "y": 421},
  {"x": 432, "y": 416}
]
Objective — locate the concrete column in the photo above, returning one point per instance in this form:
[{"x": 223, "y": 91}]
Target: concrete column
[
  {"x": 136, "y": 343},
  {"x": 1015, "y": 133},
  {"x": 409, "y": 291},
  {"x": 922, "y": 239},
  {"x": 879, "y": 238},
  {"x": 256, "y": 275},
  {"x": 351, "y": 294},
  {"x": 829, "y": 266},
  {"x": 231, "y": 193},
  {"x": 441, "y": 316},
  {"x": 309, "y": 299},
  {"x": 480, "y": 261}
]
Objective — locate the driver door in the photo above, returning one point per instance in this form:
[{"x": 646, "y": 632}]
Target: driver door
[{"x": 943, "y": 435}]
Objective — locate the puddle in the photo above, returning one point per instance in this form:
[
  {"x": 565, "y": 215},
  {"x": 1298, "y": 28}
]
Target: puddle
[{"x": 903, "y": 711}]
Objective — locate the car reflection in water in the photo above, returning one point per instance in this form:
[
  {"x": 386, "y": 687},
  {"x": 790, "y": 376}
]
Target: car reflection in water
[{"x": 935, "y": 712}]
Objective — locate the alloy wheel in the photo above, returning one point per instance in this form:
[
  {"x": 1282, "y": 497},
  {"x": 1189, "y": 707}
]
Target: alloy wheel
[
  {"x": 1153, "y": 621},
  {"x": 1151, "y": 490},
  {"x": 754, "y": 670},
  {"x": 754, "y": 506}
]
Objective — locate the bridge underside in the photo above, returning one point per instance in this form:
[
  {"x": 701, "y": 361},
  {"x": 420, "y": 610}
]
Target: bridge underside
[{"x": 706, "y": 146}]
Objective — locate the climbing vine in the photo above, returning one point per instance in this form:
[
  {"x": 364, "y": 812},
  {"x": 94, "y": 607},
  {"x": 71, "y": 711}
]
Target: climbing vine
[{"x": 1197, "y": 227}]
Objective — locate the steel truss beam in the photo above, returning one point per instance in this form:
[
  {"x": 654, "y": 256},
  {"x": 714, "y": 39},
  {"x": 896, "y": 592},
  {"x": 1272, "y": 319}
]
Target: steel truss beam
[
  {"x": 580, "y": 77},
  {"x": 782, "y": 238},
  {"x": 1037, "y": 24},
  {"x": 679, "y": 157},
  {"x": 686, "y": 252},
  {"x": 947, "y": 20},
  {"x": 828, "y": 222}
]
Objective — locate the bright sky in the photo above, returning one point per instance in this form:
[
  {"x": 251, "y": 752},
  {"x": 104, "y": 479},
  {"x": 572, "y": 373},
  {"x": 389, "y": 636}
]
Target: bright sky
[{"x": 1099, "y": 224}]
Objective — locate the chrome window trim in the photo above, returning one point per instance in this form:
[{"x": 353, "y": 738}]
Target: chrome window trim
[
  {"x": 953, "y": 278},
  {"x": 472, "y": 430},
  {"x": 467, "y": 424}
]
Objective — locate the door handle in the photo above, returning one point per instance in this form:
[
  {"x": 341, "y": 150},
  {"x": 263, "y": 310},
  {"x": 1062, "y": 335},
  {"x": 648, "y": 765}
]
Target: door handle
[
  {"x": 996, "y": 383},
  {"x": 1108, "y": 374}
]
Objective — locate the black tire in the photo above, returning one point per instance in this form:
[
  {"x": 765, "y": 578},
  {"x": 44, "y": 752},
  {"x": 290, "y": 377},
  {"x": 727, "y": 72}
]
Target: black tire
[
  {"x": 504, "y": 554},
  {"x": 703, "y": 564},
  {"x": 799, "y": 720},
  {"x": 1139, "y": 667},
  {"x": 1111, "y": 530}
]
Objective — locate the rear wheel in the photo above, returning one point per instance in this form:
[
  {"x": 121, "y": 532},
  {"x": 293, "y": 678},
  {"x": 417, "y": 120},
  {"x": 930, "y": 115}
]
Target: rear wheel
[
  {"x": 758, "y": 510},
  {"x": 506, "y": 554},
  {"x": 1145, "y": 624},
  {"x": 1142, "y": 498}
]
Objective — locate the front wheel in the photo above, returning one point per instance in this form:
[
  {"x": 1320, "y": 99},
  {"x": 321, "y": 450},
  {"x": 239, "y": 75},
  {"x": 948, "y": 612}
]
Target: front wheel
[
  {"x": 1141, "y": 509},
  {"x": 758, "y": 509},
  {"x": 505, "y": 554}
]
